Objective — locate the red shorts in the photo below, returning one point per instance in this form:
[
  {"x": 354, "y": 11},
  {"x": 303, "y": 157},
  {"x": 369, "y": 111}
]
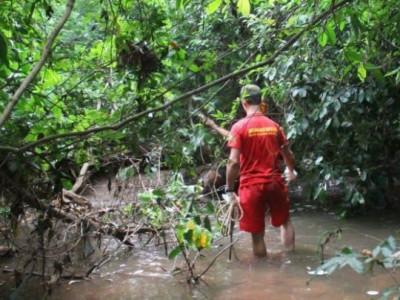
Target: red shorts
[{"x": 257, "y": 199}]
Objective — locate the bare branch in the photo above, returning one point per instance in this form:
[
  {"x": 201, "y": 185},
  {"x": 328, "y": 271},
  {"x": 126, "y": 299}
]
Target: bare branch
[{"x": 215, "y": 258}]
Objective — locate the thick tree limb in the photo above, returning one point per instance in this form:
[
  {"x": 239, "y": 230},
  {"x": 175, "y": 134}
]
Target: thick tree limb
[
  {"x": 238, "y": 73},
  {"x": 70, "y": 196},
  {"x": 46, "y": 51},
  {"x": 82, "y": 178}
]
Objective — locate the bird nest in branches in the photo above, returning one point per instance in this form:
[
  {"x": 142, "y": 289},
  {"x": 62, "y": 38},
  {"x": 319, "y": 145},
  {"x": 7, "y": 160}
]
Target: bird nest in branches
[{"x": 138, "y": 57}]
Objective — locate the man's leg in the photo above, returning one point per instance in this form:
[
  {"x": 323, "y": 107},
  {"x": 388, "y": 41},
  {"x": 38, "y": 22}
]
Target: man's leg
[
  {"x": 259, "y": 248},
  {"x": 287, "y": 235}
]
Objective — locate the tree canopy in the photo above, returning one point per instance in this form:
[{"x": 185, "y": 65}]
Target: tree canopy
[{"x": 86, "y": 82}]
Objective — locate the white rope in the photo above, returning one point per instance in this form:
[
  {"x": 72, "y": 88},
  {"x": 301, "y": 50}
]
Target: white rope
[{"x": 229, "y": 208}]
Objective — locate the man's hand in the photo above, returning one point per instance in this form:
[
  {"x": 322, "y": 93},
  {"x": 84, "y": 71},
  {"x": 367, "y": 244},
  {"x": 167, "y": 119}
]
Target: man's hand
[
  {"x": 207, "y": 121},
  {"x": 289, "y": 175},
  {"x": 235, "y": 209},
  {"x": 231, "y": 197}
]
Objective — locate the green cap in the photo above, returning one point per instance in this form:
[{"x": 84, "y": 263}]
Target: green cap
[{"x": 251, "y": 92}]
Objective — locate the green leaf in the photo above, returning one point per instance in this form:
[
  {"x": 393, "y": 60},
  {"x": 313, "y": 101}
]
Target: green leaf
[
  {"x": 352, "y": 55},
  {"x": 345, "y": 258},
  {"x": 193, "y": 68},
  {"x": 270, "y": 74},
  {"x": 394, "y": 72},
  {"x": 342, "y": 25},
  {"x": 210, "y": 207},
  {"x": 197, "y": 219},
  {"x": 346, "y": 71},
  {"x": 244, "y": 7},
  {"x": 50, "y": 78},
  {"x": 331, "y": 34},
  {"x": 356, "y": 265},
  {"x": 188, "y": 235},
  {"x": 355, "y": 23},
  {"x": 179, "y": 4},
  {"x": 128, "y": 208},
  {"x": 346, "y": 251},
  {"x": 213, "y": 6},
  {"x": 327, "y": 123},
  {"x": 66, "y": 183},
  {"x": 158, "y": 193},
  {"x": 145, "y": 197},
  {"x": 361, "y": 72},
  {"x": 323, "y": 39},
  {"x": 374, "y": 70},
  {"x": 357, "y": 198},
  {"x": 207, "y": 223},
  {"x": 174, "y": 252}
]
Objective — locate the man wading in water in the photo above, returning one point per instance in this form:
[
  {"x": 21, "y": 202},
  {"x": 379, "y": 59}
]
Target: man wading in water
[{"x": 256, "y": 144}]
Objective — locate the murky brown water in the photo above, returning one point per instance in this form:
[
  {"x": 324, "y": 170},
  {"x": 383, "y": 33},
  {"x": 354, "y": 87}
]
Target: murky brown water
[{"x": 141, "y": 274}]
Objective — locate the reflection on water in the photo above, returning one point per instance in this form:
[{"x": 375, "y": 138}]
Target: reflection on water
[{"x": 143, "y": 274}]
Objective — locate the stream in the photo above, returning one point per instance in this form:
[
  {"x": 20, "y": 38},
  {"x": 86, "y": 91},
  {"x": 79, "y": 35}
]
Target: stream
[{"x": 143, "y": 273}]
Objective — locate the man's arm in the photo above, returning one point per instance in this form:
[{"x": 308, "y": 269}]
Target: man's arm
[
  {"x": 207, "y": 121},
  {"x": 232, "y": 169},
  {"x": 289, "y": 161}
]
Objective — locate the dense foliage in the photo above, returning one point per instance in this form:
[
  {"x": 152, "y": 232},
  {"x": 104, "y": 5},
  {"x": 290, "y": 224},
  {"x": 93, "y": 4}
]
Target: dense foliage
[
  {"x": 336, "y": 87},
  {"x": 128, "y": 79}
]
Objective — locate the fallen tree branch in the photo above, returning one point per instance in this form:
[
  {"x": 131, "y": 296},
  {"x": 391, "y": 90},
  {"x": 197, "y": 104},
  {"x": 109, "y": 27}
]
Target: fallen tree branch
[
  {"x": 82, "y": 178},
  {"x": 68, "y": 217},
  {"x": 238, "y": 73},
  {"x": 46, "y": 51},
  {"x": 70, "y": 196},
  {"x": 119, "y": 233}
]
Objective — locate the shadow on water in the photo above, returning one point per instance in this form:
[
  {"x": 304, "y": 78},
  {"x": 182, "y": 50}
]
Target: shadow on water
[{"x": 144, "y": 273}]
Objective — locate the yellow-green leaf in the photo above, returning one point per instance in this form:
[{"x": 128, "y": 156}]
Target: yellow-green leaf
[
  {"x": 361, "y": 72},
  {"x": 193, "y": 68},
  {"x": 244, "y": 7},
  {"x": 323, "y": 39},
  {"x": 270, "y": 21},
  {"x": 179, "y": 4},
  {"x": 213, "y": 6},
  {"x": 50, "y": 78},
  {"x": 190, "y": 225}
]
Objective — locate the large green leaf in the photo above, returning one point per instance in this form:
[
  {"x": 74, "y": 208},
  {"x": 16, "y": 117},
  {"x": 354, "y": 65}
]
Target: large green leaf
[
  {"x": 323, "y": 39},
  {"x": 213, "y": 6},
  {"x": 361, "y": 72},
  {"x": 175, "y": 252},
  {"x": 330, "y": 32},
  {"x": 352, "y": 55},
  {"x": 179, "y": 4},
  {"x": 244, "y": 7}
]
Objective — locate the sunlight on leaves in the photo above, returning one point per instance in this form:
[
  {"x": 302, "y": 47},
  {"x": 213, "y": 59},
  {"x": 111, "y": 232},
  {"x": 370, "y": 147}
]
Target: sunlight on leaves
[{"x": 244, "y": 7}]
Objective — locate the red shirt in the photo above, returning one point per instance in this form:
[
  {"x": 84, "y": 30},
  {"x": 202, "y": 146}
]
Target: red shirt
[{"x": 259, "y": 140}]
